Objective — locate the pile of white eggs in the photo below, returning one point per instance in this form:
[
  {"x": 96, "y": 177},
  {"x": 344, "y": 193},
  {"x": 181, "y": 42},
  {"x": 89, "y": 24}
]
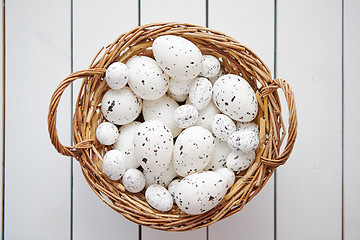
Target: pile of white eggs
[{"x": 197, "y": 130}]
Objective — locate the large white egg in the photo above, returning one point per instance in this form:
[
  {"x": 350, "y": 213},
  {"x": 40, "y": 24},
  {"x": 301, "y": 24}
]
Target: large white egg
[
  {"x": 178, "y": 57},
  {"x": 114, "y": 164},
  {"x": 200, "y": 192},
  {"x": 234, "y": 97},
  {"x": 159, "y": 198},
  {"x": 125, "y": 143},
  {"x": 153, "y": 146},
  {"x": 193, "y": 150},
  {"x": 120, "y": 106},
  {"x": 162, "y": 109},
  {"x": 200, "y": 93},
  {"x": 146, "y": 78}
]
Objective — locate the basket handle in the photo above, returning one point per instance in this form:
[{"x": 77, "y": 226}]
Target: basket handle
[
  {"x": 54, "y": 102},
  {"x": 292, "y": 129}
]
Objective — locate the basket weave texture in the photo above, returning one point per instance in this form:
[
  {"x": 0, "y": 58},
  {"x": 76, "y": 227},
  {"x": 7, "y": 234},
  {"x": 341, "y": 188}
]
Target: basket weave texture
[{"x": 236, "y": 59}]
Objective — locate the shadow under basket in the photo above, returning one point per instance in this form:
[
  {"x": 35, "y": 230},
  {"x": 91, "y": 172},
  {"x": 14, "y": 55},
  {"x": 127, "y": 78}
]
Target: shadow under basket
[{"x": 235, "y": 58}]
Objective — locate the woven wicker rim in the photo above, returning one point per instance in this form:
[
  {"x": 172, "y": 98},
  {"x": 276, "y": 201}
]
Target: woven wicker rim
[{"x": 235, "y": 58}]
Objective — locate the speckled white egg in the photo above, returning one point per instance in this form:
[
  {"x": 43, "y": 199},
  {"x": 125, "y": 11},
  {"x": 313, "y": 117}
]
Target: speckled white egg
[
  {"x": 114, "y": 164},
  {"x": 159, "y": 198},
  {"x": 206, "y": 116},
  {"x": 164, "y": 178},
  {"x": 162, "y": 109},
  {"x": 153, "y": 146},
  {"x": 243, "y": 141},
  {"x": 200, "y": 192},
  {"x": 117, "y": 75},
  {"x": 133, "y": 180},
  {"x": 172, "y": 187},
  {"x": 120, "y": 106},
  {"x": 125, "y": 143},
  {"x": 248, "y": 125},
  {"x": 222, "y": 126},
  {"x": 238, "y": 161},
  {"x": 220, "y": 74},
  {"x": 107, "y": 133},
  {"x": 228, "y": 174},
  {"x": 234, "y": 97},
  {"x": 178, "y": 87},
  {"x": 185, "y": 116},
  {"x": 221, "y": 152},
  {"x": 146, "y": 78},
  {"x": 200, "y": 93},
  {"x": 193, "y": 150},
  {"x": 211, "y": 66},
  {"x": 178, "y": 57}
]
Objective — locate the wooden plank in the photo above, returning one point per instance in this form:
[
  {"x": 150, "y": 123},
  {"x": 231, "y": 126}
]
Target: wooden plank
[
  {"x": 97, "y": 25},
  {"x": 2, "y": 110},
  {"x": 309, "y": 204},
  {"x": 37, "y": 179},
  {"x": 252, "y": 24},
  {"x": 351, "y": 119},
  {"x": 167, "y": 11}
]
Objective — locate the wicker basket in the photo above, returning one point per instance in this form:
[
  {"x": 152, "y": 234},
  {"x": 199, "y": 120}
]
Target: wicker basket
[{"x": 235, "y": 58}]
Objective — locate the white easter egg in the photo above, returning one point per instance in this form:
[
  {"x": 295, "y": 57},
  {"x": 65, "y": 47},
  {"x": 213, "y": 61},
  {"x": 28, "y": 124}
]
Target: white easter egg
[
  {"x": 164, "y": 178},
  {"x": 185, "y": 116},
  {"x": 117, "y": 75},
  {"x": 222, "y": 127},
  {"x": 211, "y": 66},
  {"x": 218, "y": 159},
  {"x": 234, "y": 97},
  {"x": 200, "y": 93},
  {"x": 120, "y": 106},
  {"x": 114, "y": 164},
  {"x": 153, "y": 146},
  {"x": 159, "y": 198},
  {"x": 107, "y": 133},
  {"x": 206, "y": 116},
  {"x": 238, "y": 161},
  {"x": 228, "y": 174},
  {"x": 146, "y": 78},
  {"x": 243, "y": 141},
  {"x": 178, "y": 57},
  {"x": 133, "y": 180},
  {"x": 193, "y": 150}
]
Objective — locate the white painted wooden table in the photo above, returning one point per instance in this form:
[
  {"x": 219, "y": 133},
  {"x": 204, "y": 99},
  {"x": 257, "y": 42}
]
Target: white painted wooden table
[{"x": 313, "y": 44}]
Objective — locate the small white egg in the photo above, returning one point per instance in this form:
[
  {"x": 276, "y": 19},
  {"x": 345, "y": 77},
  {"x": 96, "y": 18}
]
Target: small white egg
[
  {"x": 200, "y": 192},
  {"x": 185, "y": 116},
  {"x": 248, "y": 125},
  {"x": 146, "y": 78},
  {"x": 177, "y": 56},
  {"x": 162, "y": 109},
  {"x": 125, "y": 143},
  {"x": 234, "y": 97},
  {"x": 228, "y": 174},
  {"x": 120, "y": 106},
  {"x": 178, "y": 87},
  {"x": 164, "y": 178},
  {"x": 153, "y": 146},
  {"x": 178, "y": 98},
  {"x": 206, "y": 116},
  {"x": 243, "y": 141},
  {"x": 222, "y": 126},
  {"x": 193, "y": 150},
  {"x": 117, "y": 75},
  {"x": 133, "y": 180},
  {"x": 211, "y": 66},
  {"x": 238, "y": 161},
  {"x": 172, "y": 187},
  {"x": 200, "y": 93},
  {"x": 114, "y": 164},
  {"x": 221, "y": 152},
  {"x": 107, "y": 133},
  {"x": 159, "y": 198}
]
